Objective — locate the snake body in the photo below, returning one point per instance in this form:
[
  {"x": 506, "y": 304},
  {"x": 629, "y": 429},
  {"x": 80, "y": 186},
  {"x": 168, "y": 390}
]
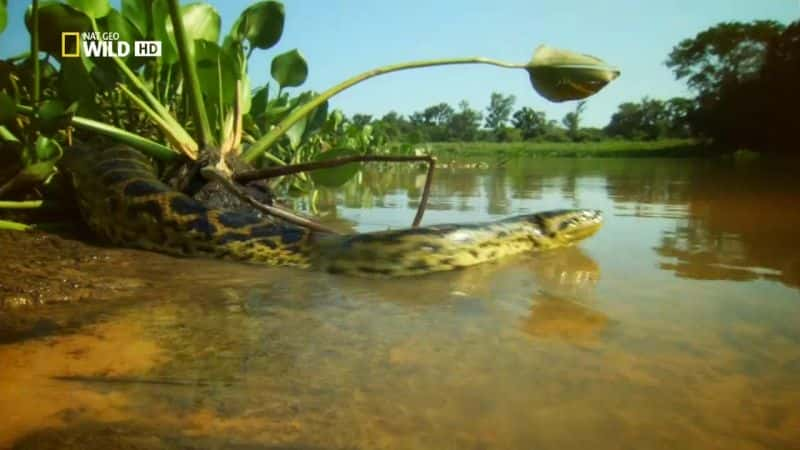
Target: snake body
[{"x": 125, "y": 204}]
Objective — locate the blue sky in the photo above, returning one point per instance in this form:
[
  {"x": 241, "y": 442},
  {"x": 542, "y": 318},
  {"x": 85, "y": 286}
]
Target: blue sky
[{"x": 341, "y": 38}]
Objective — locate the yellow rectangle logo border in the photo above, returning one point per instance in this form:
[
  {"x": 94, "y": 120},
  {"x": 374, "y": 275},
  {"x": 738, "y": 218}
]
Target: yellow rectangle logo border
[{"x": 77, "y": 37}]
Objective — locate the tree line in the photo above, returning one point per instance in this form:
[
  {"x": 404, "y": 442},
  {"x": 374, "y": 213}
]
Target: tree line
[
  {"x": 647, "y": 119},
  {"x": 745, "y": 78}
]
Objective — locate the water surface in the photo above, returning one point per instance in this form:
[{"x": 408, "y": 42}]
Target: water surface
[{"x": 677, "y": 326}]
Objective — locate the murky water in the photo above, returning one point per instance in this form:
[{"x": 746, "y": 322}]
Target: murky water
[{"x": 677, "y": 326}]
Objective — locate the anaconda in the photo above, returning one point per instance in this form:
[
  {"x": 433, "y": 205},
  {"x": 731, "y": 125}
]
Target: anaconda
[{"x": 124, "y": 203}]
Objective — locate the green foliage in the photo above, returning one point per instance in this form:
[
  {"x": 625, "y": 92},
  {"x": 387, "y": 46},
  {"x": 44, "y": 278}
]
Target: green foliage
[
  {"x": 8, "y": 107},
  {"x": 197, "y": 95},
  {"x": 289, "y": 69},
  {"x": 3, "y": 15},
  {"x": 337, "y": 176},
  {"x": 531, "y": 123},
  {"x": 572, "y": 120},
  {"x": 651, "y": 119},
  {"x": 728, "y": 52},
  {"x": 745, "y": 76},
  {"x": 94, "y": 9},
  {"x": 361, "y": 120},
  {"x": 261, "y": 24},
  {"x": 464, "y": 125},
  {"x": 54, "y": 19},
  {"x": 499, "y": 110}
]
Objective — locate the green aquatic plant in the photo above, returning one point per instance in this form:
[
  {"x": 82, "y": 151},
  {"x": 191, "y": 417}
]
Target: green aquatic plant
[{"x": 194, "y": 103}]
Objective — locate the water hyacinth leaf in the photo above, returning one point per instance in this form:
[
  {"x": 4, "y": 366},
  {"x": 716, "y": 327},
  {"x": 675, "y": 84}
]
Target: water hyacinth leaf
[
  {"x": 277, "y": 109},
  {"x": 75, "y": 85},
  {"x": 261, "y": 24},
  {"x": 201, "y": 22},
  {"x": 92, "y": 8},
  {"x": 47, "y": 149},
  {"x": 259, "y": 101},
  {"x": 36, "y": 173},
  {"x": 117, "y": 23},
  {"x": 137, "y": 11},
  {"x": 289, "y": 69},
  {"x": 317, "y": 118},
  {"x": 54, "y": 19},
  {"x": 8, "y": 106},
  {"x": 160, "y": 17},
  {"x": 39, "y": 162},
  {"x": 334, "y": 121},
  {"x": 211, "y": 63},
  {"x": 53, "y": 116},
  {"x": 336, "y": 176},
  {"x": 295, "y": 133},
  {"x": 561, "y": 75}
]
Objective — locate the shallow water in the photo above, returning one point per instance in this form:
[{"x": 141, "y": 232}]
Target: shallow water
[{"x": 677, "y": 326}]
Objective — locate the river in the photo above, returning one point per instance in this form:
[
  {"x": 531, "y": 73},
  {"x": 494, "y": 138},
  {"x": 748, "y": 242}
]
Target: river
[{"x": 676, "y": 326}]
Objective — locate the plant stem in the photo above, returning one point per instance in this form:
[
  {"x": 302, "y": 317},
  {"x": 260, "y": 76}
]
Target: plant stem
[
  {"x": 186, "y": 58},
  {"x": 266, "y": 141},
  {"x": 147, "y": 146},
  {"x": 31, "y": 204},
  {"x": 16, "y": 226},
  {"x": 214, "y": 174},
  {"x": 271, "y": 172},
  {"x": 165, "y": 128},
  {"x": 185, "y": 141},
  {"x": 35, "y": 54}
]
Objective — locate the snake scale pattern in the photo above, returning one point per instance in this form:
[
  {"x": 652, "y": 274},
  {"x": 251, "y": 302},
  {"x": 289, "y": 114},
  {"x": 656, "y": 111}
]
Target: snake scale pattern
[{"x": 125, "y": 204}]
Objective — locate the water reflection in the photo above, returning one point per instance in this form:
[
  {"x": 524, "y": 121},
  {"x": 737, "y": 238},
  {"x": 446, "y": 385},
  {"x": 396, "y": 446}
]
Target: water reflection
[
  {"x": 718, "y": 219},
  {"x": 742, "y": 224},
  {"x": 562, "y": 304},
  {"x": 620, "y": 343}
]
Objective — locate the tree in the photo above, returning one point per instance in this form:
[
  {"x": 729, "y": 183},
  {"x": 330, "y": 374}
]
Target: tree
[
  {"x": 727, "y": 53},
  {"x": 360, "y": 120},
  {"x": 745, "y": 76},
  {"x": 572, "y": 120},
  {"x": 394, "y": 126},
  {"x": 679, "y": 111},
  {"x": 650, "y": 119},
  {"x": 531, "y": 123},
  {"x": 465, "y": 124},
  {"x": 499, "y": 110}
]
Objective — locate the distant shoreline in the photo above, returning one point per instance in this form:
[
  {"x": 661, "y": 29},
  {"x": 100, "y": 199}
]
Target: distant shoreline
[{"x": 672, "y": 148}]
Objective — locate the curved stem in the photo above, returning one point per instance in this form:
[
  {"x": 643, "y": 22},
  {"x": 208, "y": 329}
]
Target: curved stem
[
  {"x": 35, "y": 54},
  {"x": 266, "y": 141},
  {"x": 30, "y": 204},
  {"x": 16, "y": 226},
  {"x": 158, "y": 112},
  {"x": 186, "y": 58},
  {"x": 147, "y": 146}
]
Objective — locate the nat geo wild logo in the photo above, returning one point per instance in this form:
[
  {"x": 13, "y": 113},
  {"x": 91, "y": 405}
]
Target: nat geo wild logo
[{"x": 104, "y": 45}]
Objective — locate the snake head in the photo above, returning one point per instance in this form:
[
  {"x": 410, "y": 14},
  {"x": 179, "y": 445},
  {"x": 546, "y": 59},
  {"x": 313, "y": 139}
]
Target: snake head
[{"x": 570, "y": 225}]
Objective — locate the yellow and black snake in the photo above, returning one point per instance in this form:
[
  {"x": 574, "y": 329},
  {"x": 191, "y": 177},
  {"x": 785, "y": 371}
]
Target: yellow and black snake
[{"x": 124, "y": 203}]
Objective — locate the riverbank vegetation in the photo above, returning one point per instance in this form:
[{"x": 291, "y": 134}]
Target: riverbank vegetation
[
  {"x": 196, "y": 113},
  {"x": 743, "y": 77},
  {"x": 192, "y": 108}
]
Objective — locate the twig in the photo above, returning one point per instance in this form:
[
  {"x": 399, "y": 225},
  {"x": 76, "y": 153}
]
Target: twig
[
  {"x": 277, "y": 171},
  {"x": 426, "y": 191},
  {"x": 211, "y": 173}
]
